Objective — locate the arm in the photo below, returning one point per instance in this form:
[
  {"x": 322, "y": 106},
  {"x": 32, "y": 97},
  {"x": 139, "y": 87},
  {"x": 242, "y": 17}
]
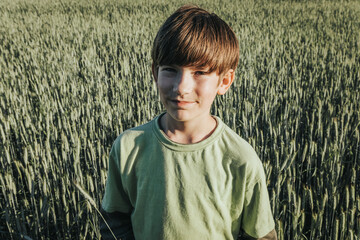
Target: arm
[
  {"x": 257, "y": 218},
  {"x": 119, "y": 223},
  {"x": 115, "y": 221},
  {"x": 270, "y": 236}
]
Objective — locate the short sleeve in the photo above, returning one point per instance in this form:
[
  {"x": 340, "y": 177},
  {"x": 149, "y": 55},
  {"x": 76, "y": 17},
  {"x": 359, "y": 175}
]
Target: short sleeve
[
  {"x": 257, "y": 219},
  {"x": 115, "y": 197}
]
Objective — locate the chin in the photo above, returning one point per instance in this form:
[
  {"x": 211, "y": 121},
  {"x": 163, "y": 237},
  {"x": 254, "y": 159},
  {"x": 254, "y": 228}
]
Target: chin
[{"x": 180, "y": 116}]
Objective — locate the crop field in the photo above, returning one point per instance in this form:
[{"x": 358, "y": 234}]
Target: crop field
[{"x": 75, "y": 74}]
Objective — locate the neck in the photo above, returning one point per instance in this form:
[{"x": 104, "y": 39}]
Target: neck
[{"x": 187, "y": 132}]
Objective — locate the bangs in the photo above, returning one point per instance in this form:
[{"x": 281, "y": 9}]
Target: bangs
[{"x": 198, "y": 39}]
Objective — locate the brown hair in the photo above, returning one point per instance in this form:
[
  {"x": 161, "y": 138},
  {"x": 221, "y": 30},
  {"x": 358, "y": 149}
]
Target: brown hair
[{"x": 191, "y": 36}]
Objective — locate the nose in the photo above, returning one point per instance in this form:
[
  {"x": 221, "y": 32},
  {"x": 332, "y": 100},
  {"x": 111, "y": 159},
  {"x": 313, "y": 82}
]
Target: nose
[{"x": 184, "y": 83}]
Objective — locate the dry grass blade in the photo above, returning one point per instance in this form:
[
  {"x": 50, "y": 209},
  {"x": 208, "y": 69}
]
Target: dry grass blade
[{"x": 93, "y": 204}]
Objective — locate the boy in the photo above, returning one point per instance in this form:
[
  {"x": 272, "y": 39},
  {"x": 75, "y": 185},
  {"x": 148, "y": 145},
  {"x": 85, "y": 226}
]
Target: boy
[{"x": 185, "y": 174}]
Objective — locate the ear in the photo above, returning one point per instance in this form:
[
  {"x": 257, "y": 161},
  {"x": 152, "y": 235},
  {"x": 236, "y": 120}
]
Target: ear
[
  {"x": 154, "y": 70},
  {"x": 226, "y": 80}
]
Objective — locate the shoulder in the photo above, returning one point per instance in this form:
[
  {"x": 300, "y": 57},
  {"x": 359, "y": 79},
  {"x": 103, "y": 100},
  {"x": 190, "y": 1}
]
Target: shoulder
[
  {"x": 132, "y": 137},
  {"x": 242, "y": 154},
  {"x": 238, "y": 148},
  {"x": 130, "y": 144},
  {"x": 137, "y": 132}
]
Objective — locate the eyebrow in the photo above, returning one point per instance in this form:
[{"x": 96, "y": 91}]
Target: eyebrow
[
  {"x": 203, "y": 69},
  {"x": 192, "y": 68}
]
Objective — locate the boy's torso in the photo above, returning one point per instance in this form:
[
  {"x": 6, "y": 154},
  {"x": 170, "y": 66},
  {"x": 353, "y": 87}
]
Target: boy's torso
[{"x": 177, "y": 190}]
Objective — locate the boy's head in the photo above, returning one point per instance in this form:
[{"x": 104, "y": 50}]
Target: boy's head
[{"x": 192, "y": 36}]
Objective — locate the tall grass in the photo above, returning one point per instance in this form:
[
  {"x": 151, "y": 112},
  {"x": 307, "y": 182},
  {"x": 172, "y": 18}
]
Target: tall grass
[{"x": 75, "y": 74}]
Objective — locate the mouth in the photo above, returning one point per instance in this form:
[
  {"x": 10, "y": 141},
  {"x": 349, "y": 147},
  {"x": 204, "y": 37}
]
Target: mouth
[{"x": 182, "y": 103}]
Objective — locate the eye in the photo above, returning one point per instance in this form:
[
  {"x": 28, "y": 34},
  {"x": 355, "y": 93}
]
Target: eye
[
  {"x": 200, "y": 73},
  {"x": 169, "y": 69}
]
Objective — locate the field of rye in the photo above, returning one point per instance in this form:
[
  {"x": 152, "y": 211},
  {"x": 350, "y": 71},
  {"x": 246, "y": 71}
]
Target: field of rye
[{"x": 75, "y": 74}]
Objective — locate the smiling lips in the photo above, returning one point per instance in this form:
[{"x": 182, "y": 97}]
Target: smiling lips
[{"x": 182, "y": 103}]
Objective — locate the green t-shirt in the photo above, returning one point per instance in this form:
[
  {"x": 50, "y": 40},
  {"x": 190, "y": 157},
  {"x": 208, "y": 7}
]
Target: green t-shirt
[{"x": 206, "y": 190}]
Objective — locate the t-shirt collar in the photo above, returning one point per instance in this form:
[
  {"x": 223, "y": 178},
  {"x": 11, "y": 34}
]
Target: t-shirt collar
[{"x": 161, "y": 136}]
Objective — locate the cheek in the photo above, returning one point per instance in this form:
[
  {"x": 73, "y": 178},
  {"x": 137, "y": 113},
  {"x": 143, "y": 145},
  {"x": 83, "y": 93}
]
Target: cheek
[
  {"x": 208, "y": 91},
  {"x": 164, "y": 83},
  {"x": 164, "y": 87}
]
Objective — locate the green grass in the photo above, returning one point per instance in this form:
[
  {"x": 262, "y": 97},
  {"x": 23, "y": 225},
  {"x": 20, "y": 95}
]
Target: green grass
[{"x": 75, "y": 74}]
